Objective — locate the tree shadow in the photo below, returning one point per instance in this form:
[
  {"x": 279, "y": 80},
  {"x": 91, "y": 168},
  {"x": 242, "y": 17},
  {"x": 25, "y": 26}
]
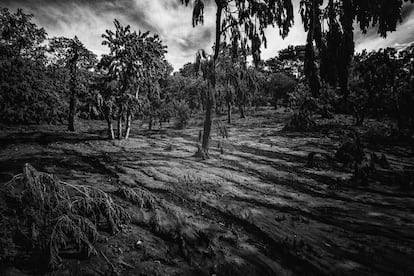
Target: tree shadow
[{"x": 46, "y": 138}]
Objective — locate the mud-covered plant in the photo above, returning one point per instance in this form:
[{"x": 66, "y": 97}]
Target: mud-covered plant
[
  {"x": 55, "y": 217},
  {"x": 140, "y": 197}
]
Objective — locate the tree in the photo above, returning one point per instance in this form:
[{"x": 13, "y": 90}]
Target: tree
[
  {"x": 243, "y": 22},
  {"x": 381, "y": 85},
  {"x": 135, "y": 59},
  {"x": 76, "y": 59},
  {"x": 19, "y": 36},
  {"x": 310, "y": 13},
  {"x": 336, "y": 44},
  {"x": 29, "y": 88}
]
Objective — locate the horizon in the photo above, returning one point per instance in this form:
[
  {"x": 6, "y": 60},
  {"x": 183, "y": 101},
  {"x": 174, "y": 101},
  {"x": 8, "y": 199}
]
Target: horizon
[{"x": 172, "y": 22}]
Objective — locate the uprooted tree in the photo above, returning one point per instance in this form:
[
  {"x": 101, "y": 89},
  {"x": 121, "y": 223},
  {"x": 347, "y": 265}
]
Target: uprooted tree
[
  {"x": 243, "y": 23},
  {"x": 135, "y": 59}
]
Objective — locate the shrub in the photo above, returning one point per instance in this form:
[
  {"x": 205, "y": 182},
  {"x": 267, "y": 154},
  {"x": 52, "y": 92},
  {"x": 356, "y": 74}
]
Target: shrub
[{"x": 183, "y": 114}]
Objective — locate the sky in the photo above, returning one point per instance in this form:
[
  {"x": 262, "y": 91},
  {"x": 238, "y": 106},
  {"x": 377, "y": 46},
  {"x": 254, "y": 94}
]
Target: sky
[{"x": 88, "y": 19}]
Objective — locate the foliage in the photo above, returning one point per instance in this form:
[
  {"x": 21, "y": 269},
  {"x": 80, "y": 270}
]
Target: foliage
[
  {"x": 243, "y": 22},
  {"x": 135, "y": 60},
  {"x": 382, "y": 85},
  {"x": 19, "y": 36},
  {"x": 55, "y": 217},
  {"x": 335, "y": 42},
  {"x": 30, "y": 93},
  {"x": 183, "y": 114},
  {"x": 76, "y": 60},
  {"x": 279, "y": 86},
  {"x": 30, "y": 90}
]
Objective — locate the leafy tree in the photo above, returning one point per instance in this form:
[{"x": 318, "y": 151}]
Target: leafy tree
[
  {"x": 236, "y": 79},
  {"x": 336, "y": 43},
  {"x": 19, "y": 36},
  {"x": 278, "y": 86},
  {"x": 243, "y": 22},
  {"x": 135, "y": 59},
  {"x": 77, "y": 60},
  {"x": 381, "y": 83},
  {"x": 29, "y": 90}
]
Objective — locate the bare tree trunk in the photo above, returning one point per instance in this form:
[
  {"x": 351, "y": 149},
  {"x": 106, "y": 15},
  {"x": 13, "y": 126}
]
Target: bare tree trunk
[
  {"x": 347, "y": 47},
  {"x": 212, "y": 83},
  {"x": 275, "y": 102},
  {"x": 150, "y": 123},
  {"x": 111, "y": 134},
  {"x": 242, "y": 115},
  {"x": 128, "y": 125},
  {"x": 72, "y": 112},
  {"x": 119, "y": 130},
  {"x": 106, "y": 110},
  {"x": 228, "y": 112},
  {"x": 311, "y": 70},
  {"x": 208, "y": 121},
  {"x": 72, "y": 85}
]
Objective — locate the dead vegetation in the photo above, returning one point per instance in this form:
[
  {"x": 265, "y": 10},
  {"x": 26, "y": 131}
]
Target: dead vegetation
[{"x": 43, "y": 216}]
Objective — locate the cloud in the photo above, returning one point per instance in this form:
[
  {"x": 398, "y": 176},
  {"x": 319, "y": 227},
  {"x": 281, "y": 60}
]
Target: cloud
[
  {"x": 403, "y": 35},
  {"x": 172, "y": 21}
]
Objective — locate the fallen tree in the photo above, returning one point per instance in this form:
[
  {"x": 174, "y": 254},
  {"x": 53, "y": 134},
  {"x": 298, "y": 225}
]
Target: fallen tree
[{"x": 43, "y": 219}]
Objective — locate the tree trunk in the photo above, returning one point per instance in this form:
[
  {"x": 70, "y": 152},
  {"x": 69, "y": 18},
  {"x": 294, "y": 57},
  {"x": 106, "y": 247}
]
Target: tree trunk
[
  {"x": 72, "y": 84},
  {"x": 311, "y": 70},
  {"x": 275, "y": 102},
  {"x": 208, "y": 120},
  {"x": 111, "y": 134},
  {"x": 128, "y": 125},
  {"x": 150, "y": 123},
  {"x": 347, "y": 48},
  {"x": 212, "y": 83},
  {"x": 119, "y": 130},
  {"x": 72, "y": 112},
  {"x": 242, "y": 115},
  {"x": 228, "y": 112},
  {"x": 359, "y": 115}
]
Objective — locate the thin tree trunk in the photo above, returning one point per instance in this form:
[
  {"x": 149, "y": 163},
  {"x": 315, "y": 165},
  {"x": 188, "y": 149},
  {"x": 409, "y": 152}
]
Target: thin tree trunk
[
  {"x": 106, "y": 110},
  {"x": 119, "y": 130},
  {"x": 72, "y": 112},
  {"x": 150, "y": 123},
  {"x": 72, "y": 84},
  {"x": 212, "y": 83},
  {"x": 228, "y": 112},
  {"x": 128, "y": 125},
  {"x": 311, "y": 70},
  {"x": 111, "y": 134},
  {"x": 347, "y": 47},
  {"x": 208, "y": 120},
  {"x": 242, "y": 115}
]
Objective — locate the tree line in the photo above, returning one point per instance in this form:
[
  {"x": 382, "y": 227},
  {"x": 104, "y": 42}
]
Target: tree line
[{"x": 56, "y": 80}]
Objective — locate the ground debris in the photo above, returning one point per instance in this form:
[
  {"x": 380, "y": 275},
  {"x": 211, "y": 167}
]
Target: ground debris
[{"x": 50, "y": 219}]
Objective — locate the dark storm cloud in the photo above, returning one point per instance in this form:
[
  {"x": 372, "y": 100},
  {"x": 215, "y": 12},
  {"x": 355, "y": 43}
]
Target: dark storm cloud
[
  {"x": 89, "y": 19},
  {"x": 172, "y": 21},
  {"x": 50, "y": 12}
]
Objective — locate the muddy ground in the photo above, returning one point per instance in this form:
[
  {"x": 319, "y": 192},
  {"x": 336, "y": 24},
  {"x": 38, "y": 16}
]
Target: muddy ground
[{"x": 254, "y": 208}]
